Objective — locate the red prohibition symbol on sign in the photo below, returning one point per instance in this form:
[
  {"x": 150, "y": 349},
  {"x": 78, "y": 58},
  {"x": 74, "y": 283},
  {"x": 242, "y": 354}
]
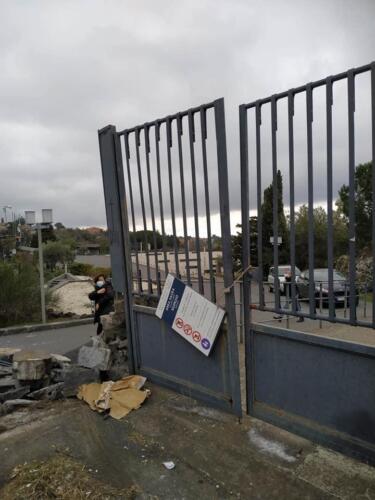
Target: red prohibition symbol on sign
[
  {"x": 188, "y": 329},
  {"x": 196, "y": 336},
  {"x": 179, "y": 323}
]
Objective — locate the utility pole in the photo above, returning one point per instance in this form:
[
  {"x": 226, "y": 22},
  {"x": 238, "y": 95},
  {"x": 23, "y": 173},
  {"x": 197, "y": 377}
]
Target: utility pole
[
  {"x": 41, "y": 273},
  {"x": 46, "y": 222}
]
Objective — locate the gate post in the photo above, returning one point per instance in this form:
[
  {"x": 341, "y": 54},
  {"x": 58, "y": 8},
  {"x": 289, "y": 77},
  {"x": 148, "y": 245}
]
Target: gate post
[
  {"x": 118, "y": 226},
  {"x": 246, "y": 296},
  {"x": 227, "y": 252}
]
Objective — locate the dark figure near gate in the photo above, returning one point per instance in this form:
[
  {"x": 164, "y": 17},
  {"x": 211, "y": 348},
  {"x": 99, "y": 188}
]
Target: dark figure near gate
[
  {"x": 288, "y": 293},
  {"x": 103, "y": 296}
]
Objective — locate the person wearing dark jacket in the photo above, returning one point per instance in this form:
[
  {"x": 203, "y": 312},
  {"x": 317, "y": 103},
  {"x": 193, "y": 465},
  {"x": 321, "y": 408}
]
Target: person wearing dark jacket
[
  {"x": 103, "y": 296},
  {"x": 288, "y": 294}
]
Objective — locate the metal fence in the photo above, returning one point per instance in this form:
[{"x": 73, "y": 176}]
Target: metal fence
[
  {"x": 287, "y": 98},
  {"x": 162, "y": 164},
  {"x": 162, "y": 169}
]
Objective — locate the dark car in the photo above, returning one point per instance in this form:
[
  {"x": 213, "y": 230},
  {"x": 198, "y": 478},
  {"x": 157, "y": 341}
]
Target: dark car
[{"x": 341, "y": 287}]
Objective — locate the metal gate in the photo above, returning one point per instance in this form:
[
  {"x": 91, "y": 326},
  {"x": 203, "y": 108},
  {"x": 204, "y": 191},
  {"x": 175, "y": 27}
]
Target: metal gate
[
  {"x": 319, "y": 387},
  {"x": 172, "y": 165}
]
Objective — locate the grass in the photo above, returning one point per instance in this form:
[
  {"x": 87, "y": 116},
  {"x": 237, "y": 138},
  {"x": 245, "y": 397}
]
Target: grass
[{"x": 60, "y": 478}]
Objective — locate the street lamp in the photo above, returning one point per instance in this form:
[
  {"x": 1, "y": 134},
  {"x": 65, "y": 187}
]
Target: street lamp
[
  {"x": 46, "y": 222},
  {"x": 5, "y": 207}
]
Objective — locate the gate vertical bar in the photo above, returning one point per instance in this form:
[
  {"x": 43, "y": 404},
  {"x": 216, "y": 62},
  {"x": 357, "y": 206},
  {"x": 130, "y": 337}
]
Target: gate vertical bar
[
  {"x": 137, "y": 144},
  {"x": 114, "y": 191},
  {"x": 157, "y": 148},
  {"x": 183, "y": 199},
  {"x": 221, "y": 147},
  {"x": 329, "y": 102},
  {"x": 195, "y": 202},
  {"x": 127, "y": 159},
  {"x": 351, "y": 152},
  {"x": 373, "y": 184},
  {"x": 291, "y": 197},
  {"x": 207, "y": 199},
  {"x": 147, "y": 152},
  {"x": 258, "y": 122},
  {"x": 275, "y": 204},
  {"x": 246, "y": 282},
  {"x": 169, "y": 160},
  {"x": 310, "y": 177}
]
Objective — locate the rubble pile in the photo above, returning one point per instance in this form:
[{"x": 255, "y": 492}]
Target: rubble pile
[
  {"x": 28, "y": 376},
  {"x": 109, "y": 350}
]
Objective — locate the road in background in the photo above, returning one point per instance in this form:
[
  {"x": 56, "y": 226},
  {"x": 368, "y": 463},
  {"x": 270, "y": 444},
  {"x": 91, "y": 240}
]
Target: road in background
[{"x": 57, "y": 341}]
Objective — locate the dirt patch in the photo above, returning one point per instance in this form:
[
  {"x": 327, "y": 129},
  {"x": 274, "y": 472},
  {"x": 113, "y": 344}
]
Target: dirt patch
[{"x": 62, "y": 478}]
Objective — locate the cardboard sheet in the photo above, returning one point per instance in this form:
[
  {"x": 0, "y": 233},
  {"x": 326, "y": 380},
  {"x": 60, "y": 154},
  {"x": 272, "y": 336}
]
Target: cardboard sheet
[{"x": 120, "y": 397}]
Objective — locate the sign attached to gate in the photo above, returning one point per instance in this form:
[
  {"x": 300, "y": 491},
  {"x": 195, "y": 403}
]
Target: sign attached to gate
[{"x": 189, "y": 314}]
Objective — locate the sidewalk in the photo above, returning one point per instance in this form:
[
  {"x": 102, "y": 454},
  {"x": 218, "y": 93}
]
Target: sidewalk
[
  {"x": 215, "y": 455},
  {"x": 38, "y": 327}
]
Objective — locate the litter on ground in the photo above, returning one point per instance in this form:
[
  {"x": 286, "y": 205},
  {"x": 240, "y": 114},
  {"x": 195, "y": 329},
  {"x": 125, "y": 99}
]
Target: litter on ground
[
  {"x": 169, "y": 465},
  {"x": 119, "y": 398}
]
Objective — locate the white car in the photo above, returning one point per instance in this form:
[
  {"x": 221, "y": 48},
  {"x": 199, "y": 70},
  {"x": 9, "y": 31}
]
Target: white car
[{"x": 282, "y": 271}]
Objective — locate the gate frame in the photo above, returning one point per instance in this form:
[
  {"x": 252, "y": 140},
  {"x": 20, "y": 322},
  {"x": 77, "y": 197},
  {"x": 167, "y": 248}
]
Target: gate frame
[
  {"x": 343, "y": 441},
  {"x": 112, "y": 167}
]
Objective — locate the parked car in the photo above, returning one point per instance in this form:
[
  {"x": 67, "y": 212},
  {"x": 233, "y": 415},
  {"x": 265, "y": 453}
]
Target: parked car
[
  {"x": 282, "y": 271},
  {"x": 341, "y": 287}
]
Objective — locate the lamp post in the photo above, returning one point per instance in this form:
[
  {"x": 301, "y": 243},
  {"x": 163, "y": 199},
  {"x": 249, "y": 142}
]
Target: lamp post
[
  {"x": 46, "y": 222},
  {"x": 5, "y": 211}
]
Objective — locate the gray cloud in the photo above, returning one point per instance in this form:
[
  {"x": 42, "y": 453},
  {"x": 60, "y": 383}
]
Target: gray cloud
[{"x": 69, "y": 68}]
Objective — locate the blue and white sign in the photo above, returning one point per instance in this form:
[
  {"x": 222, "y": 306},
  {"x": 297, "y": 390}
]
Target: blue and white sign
[{"x": 189, "y": 314}]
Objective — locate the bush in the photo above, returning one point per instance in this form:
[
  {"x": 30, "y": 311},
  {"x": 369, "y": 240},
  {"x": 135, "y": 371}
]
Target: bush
[
  {"x": 363, "y": 268},
  {"x": 19, "y": 293},
  {"x": 81, "y": 269}
]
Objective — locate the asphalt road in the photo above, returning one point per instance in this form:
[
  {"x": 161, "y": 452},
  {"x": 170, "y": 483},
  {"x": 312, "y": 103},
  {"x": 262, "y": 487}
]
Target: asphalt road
[{"x": 57, "y": 341}]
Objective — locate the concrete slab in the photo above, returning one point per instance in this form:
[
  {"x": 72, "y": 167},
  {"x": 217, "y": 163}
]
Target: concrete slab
[
  {"x": 94, "y": 357},
  {"x": 216, "y": 457}
]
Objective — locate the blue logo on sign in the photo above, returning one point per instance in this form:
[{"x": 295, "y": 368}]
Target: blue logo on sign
[{"x": 205, "y": 343}]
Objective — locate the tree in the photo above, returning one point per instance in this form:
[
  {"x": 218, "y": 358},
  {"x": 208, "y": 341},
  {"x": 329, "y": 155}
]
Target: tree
[
  {"x": 267, "y": 225},
  {"x": 267, "y": 231},
  {"x": 48, "y": 234},
  {"x": 320, "y": 225},
  {"x": 237, "y": 245},
  {"x": 56, "y": 252},
  {"x": 362, "y": 203},
  {"x": 20, "y": 295}
]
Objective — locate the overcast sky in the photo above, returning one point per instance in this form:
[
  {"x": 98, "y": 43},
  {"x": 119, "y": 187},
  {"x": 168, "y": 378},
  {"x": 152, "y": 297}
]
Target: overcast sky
[{"x": 70, "y": 67}]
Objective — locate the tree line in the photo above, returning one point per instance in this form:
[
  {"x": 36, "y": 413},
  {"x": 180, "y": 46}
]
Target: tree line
[{"x": 363, "y": 224}]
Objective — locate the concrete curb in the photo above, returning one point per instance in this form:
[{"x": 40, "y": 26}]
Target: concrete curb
[{"x": 12, "y": 330}]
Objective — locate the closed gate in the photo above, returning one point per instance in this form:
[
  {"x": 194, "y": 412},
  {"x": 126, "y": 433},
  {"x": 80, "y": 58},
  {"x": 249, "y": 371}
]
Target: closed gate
[
  {"x": 175, "y": 178},
  {"x": 322, "y": 388}
]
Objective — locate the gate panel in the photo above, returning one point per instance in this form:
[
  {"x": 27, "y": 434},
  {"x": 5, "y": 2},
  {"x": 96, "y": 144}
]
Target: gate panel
[
  {"x": 318, "y": 387},
  {"x": 167, "y": 359},
  {"x": 162, "y": 183}
]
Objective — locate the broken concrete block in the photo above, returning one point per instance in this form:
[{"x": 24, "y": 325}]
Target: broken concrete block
[
  {"x": 94, "y": 357},
  {"x": 50, "y": 392},
  {"x": 7, "y": 353},
  {"x": 60, "y": 359},
  {"x": 6, "y": 383},
  {"x": 123, "y": 344},
  {"x": 12, "y": 404},
  {"x": 31, "y": 365},
  {"x": 109, "y": 335},
  {"x": 120, "y": 306},
  {"x": 16, "y": 393},
  {"x": 75, "y": 376},
  {"x": 5, "y": 370}
]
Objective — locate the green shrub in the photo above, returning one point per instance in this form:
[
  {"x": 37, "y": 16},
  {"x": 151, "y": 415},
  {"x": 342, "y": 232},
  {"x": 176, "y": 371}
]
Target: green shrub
[
  {"x": 81, "y": 269},
  {"x": 19, "y": 293}
]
